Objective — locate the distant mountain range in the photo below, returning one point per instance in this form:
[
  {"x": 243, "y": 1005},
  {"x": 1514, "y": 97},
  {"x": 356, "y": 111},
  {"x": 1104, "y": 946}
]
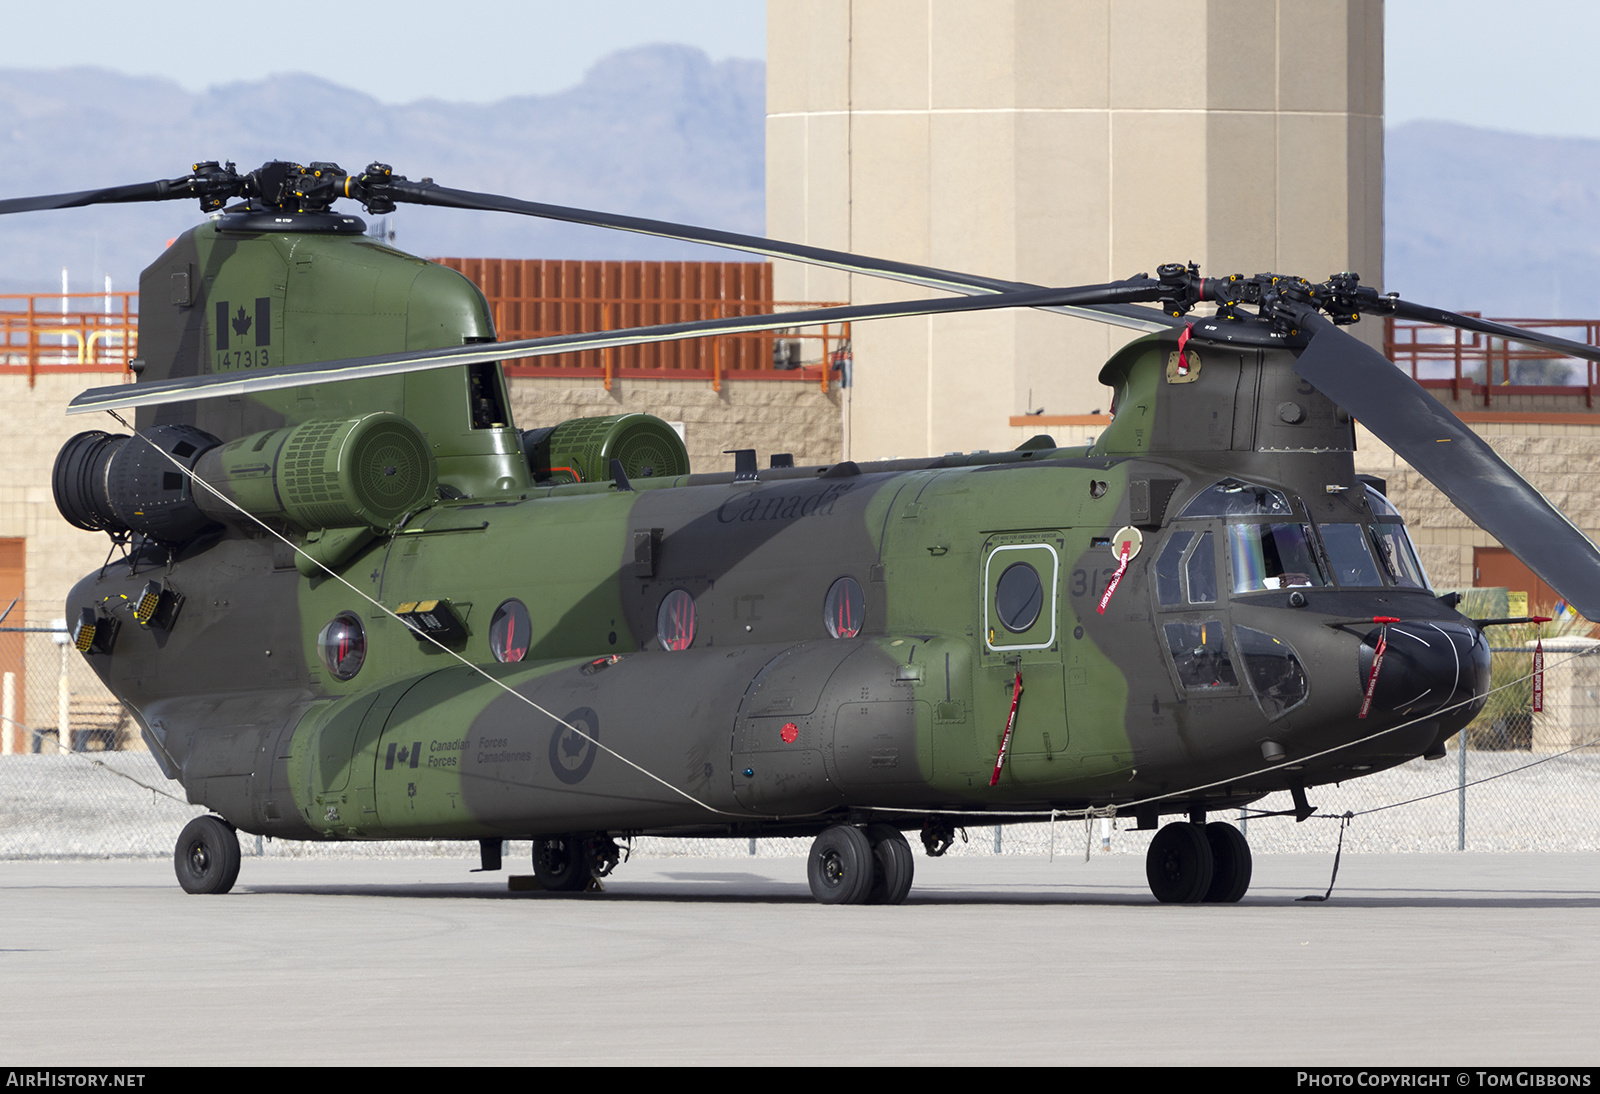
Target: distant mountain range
[
  {"x": 660, "y": 131},
  {"x": 1505, "y": 223}
]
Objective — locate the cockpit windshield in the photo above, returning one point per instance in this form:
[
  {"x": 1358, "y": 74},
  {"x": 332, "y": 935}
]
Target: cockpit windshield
[
  {"x": 1350, "y": 554},
  {"x": 1372, "y": 555},
  {"x": 1285, "y": 553},
  {"x": 1273, "y": 556}
]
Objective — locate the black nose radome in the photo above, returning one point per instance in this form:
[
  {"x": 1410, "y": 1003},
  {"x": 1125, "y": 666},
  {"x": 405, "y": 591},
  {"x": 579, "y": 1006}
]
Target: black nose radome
[{"x": 1427, "y": 668}]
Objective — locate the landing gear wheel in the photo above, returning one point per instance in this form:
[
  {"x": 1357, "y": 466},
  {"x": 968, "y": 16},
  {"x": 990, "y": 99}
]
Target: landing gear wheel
[
  {"x": 893, "y": 864},
  {"x": 1178, "y": 864},
  {"x": 1231, "y": 863},
  {"x": 841, "y": 867},
  {"x": 560, "y": 864},
  {"x": 207, "y": 856}
]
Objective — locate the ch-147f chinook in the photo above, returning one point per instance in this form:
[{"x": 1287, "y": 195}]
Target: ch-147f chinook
[{"x": 356, "y": 603}]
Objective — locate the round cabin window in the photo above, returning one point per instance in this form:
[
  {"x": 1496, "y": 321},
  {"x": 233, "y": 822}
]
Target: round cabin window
[
  {"x": 509, "y": 629},
  {"x": 1019, "y": 597},
  {"x": 675, "y": 620},
  {"x": 342, "y": 645},
  {"x": 843, "y": 609}
]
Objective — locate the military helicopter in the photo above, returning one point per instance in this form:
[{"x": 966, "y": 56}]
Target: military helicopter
[{"x": 353, "y": 601}]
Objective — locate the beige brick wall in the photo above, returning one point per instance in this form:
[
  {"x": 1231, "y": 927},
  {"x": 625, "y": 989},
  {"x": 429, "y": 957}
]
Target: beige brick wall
[
  {"x": 1557, "y": 459},
  {"x": 33, "y": 426},
  {"x": 766, "y": 415}
]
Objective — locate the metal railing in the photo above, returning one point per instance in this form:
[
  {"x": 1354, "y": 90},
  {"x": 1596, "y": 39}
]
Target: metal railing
[
  {"x": 68, "y": 332},
  {"x": 716, "y": 358},
  {"x": 538, "y": 298},
  {"x": 1484, "y": 368},
  {"x": 98, "y": 332}
]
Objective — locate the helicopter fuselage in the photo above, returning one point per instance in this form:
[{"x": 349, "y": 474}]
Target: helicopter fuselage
[{"x": 772, "y": 655}]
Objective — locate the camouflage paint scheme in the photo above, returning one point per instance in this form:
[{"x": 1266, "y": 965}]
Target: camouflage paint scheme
[{"x": 901, "y": 720}]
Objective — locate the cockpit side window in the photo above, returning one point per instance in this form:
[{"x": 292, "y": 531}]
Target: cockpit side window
[
  {"x": 1186, "y": 572},
  {"x": 1392, "y": 545},
  {"x": 1381, "y": 506},
  {"x": 1201, "y": 571},
  {"x": 1169, "y": 570},
  {"x": 1399, "y": 558}
]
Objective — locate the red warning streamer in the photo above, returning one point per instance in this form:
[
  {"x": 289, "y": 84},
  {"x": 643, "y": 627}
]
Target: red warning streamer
[
  {"x": 1005, "y": 739},
  {"x": 1377, "y": 660},
  {"x": 1111, "y": 587},
  {"x": 1538, "y": 675}
]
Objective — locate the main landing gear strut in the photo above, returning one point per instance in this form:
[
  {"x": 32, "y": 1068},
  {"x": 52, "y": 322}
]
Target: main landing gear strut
[
  {"x": 851, "y": 865},
  {"x": 569, "y": 863},
  {"x": 1190, "y": 863}
]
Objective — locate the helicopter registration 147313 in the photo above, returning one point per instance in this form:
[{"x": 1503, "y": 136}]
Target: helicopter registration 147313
[{"x": 355, "y": 602}]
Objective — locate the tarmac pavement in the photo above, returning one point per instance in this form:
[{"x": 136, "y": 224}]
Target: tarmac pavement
[{"x": 1447, "y": 959}]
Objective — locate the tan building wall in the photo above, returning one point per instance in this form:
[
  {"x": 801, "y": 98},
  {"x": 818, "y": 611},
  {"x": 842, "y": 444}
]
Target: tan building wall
[
  {"x": 33, "y": 427},
  {"x": 1556, "y": 457},
  {"x": 768, "y": 416},
  {"x": 1059, "y": 142}
]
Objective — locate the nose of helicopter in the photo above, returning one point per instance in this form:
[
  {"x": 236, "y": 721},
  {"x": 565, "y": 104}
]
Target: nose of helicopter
[{"x": 1427, "y": 668}]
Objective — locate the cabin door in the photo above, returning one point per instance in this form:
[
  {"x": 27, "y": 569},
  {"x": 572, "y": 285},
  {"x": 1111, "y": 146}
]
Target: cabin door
[{"x": 1021, "y": 614}]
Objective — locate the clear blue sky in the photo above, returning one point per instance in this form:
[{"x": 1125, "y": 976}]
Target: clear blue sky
[{"x": 1527, "y": 66}]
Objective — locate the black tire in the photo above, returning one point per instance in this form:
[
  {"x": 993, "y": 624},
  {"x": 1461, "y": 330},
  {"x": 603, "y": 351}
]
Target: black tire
[
  {"x": 1178, "y": 864},
  {"x": 893, "y": 864},
  {"x": 560, "y": 865},
  {"x": 207, "y": 856},
  {"x": 1231, "y": 863},
  {"x": 841, "y": 866}
]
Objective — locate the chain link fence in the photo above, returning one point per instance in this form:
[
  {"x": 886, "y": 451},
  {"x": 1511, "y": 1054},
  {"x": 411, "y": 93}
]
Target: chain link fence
[{"x": 1524, "y": 781}]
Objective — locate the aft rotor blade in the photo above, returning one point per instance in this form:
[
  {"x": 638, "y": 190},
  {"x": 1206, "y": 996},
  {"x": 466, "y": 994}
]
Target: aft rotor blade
[
  {"x": 364, "y": 368},
  {"x": 1455, "y": 459},
  {"x": 1407, "y": 310},
  {"x": 416, "y": 193}
]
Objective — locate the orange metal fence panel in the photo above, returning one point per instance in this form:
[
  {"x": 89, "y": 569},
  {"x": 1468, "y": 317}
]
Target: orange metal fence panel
[
  {"x": 72, "y": 332},
  {"x": 536, "y": 298},
  {"x": 528, "y": 298}
]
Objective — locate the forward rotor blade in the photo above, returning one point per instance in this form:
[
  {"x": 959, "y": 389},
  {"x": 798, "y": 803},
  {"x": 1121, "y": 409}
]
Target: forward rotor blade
[
  {"x": 1456, "y": 460},
  {"x": 159, "y": 190},
  {"x": 1136, "y": 318},
  {"x": 1407, "y": 310},
  {"x": 362, "y": 368}
]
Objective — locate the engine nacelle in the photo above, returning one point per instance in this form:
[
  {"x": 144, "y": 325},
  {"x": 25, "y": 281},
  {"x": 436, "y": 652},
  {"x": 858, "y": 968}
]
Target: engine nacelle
[{"x": 365, "y": 472}]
